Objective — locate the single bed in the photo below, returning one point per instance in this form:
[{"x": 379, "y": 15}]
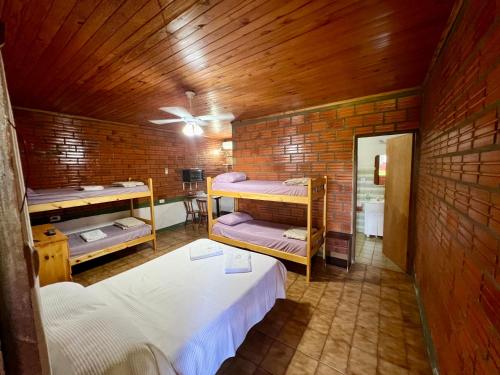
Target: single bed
[
  {"x": 193, "y": 313},
  {"x": 262, "y": 233},
  {"x": 67, "y": 194},
  {"x": 261, "y": 187},
  {"x": 115, "y": 235}
]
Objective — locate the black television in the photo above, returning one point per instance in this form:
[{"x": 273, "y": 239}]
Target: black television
[{"x": 193, "y": 175}]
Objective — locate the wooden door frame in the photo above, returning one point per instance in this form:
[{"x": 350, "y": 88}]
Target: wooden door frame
[{"x": 410, "y": 251}]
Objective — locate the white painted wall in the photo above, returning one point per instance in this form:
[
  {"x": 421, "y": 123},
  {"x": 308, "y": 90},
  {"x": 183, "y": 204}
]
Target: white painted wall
[{"x": 368, "y": 148}]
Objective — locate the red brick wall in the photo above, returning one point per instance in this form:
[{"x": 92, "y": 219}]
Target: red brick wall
[
  {"x": 458, "y": 205},
  {"x": 316, "y": 143},
  {"x": 62, "y": 150}
]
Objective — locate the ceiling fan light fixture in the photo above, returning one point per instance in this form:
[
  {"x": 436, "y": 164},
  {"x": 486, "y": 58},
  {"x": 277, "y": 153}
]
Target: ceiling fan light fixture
[
  {"x": 193, "y": 123},
  {"x": 192, "y": 129}
]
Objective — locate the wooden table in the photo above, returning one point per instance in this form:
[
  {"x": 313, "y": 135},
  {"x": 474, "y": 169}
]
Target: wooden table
[{"x": 204, "y": 198}]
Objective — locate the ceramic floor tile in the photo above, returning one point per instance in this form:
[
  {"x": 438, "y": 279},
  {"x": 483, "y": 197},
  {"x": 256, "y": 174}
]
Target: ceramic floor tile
[
  {"x": 312, "y": 343},
  {"x": 255, "y": 346},
  {"x": 278, "y": 358},
  {"x": 365, "y": 339},
  {"x": 324, "y": 369},
  {"x": 362, "y": 363},
  {"x": 301, "y": 364},
  {"x": 336, "y": 354},
  {"x": 369, "y": 251},
  {"x": 238, "y": 366},
  {"x": 321, "y": 322},
  {"x": 392, "y": 349},
  {"x": 388, "y": 368},
  {"x": 292, "y": 332}
]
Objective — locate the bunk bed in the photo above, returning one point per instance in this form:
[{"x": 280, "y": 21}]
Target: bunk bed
[
  {"x": 79, "y": 251},
  {"x": 266, "y": 237}
]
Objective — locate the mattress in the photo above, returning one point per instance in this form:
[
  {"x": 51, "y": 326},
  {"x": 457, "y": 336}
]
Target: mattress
[
  {"x": 262, "y": 233},
  {"x": 193, "y": 312},
  {"x": 262, "y": 187},
  {"x": 68, "y": 194},
  {"x": 78, "y": 246},
  {"x": 85, "y": 336}
]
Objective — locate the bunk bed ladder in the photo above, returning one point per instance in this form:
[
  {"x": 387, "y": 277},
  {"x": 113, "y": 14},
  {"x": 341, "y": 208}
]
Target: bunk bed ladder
[
  {"x": 325, "y": 205},
  {"x": 152, "y": 212},
  {"x": 309, "y": 231},
  {"x": 209, "y": 206}
]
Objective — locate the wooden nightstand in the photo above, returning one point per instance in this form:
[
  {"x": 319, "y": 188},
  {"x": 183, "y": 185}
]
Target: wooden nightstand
[{"x": 53, "y": 253}]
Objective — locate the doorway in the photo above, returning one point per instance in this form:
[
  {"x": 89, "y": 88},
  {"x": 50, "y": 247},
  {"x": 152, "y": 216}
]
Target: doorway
[{"x": 382, "y": 180}]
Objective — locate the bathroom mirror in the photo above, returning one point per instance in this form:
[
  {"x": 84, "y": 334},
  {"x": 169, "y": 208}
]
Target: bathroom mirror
[{"x": 380, "y": 169}]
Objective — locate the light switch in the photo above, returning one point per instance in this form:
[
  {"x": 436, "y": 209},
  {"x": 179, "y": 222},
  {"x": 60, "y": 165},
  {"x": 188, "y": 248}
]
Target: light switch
[{"x": 166, "y": 170}]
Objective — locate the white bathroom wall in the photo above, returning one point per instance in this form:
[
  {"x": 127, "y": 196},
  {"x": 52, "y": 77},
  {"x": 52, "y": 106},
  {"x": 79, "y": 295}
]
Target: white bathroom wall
[{"x": 368, "y": 148}]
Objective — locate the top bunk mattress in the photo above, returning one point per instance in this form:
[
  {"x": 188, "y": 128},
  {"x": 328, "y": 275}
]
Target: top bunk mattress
[
  {"x": 67, "y": 194},
  {"x": 261, "y": 187},
  {"x": 263, "y": 233}
]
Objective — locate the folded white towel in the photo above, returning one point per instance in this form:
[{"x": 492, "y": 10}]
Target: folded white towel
[
  {"x": 204, "y": 251},
  {"x": 91, "y": 187},
  {"x": 128, "y": 222},
  {"x": 297, "y": 233},
  {"x": 128, "y": 183},
  {"x": 237, "y": 261},
  {"x": 297, "y": 181},
  {"x": 93, "y": 235}
]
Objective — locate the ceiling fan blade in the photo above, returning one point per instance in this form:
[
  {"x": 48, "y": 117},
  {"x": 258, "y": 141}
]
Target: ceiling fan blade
[
  {"x": 166, "y": 121},
  {"x": 219, "y": 117},
  {"x": 177, "y": 111},
  {"x": 201, "y": 122}
]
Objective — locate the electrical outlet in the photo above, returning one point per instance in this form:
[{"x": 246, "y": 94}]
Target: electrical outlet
[
  {"x": 166, "y": 170},
  {"x": 161, "y": 201},
  {"x": 55, "y": 218}
]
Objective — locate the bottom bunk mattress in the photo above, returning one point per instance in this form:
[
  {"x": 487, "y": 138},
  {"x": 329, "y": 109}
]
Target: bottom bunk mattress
[
  {"x": 263, "y": 233},
  {"x": 191, "y": 312},
  {"x": 115, "y": 235}
]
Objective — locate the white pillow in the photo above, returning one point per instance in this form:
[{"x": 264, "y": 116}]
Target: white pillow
[
  {"x": 234, "y": 218},
  {"x": 231, "y": 177}
]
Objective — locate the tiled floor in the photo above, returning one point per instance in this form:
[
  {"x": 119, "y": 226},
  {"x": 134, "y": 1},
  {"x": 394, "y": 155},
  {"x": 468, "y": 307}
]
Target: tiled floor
[
  {"x": 369, "y": 252},
  {"x": 364, "y": 322}
]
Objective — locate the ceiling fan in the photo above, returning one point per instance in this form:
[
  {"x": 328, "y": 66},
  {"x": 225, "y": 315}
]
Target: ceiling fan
[{"x": 193, "y": 123}]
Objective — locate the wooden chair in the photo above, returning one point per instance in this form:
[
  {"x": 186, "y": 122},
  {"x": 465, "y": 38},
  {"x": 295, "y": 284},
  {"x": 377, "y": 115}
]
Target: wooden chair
[
  {"x": 190, "y": 211},
  {"x": 203, "y": 211}
]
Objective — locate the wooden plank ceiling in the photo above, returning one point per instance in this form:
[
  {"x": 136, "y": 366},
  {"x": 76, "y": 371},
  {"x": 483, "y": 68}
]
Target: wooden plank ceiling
[{"x": 120, "y": 60}]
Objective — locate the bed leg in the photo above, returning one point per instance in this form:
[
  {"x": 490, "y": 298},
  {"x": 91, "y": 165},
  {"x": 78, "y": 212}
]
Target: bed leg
[
  {"x": 308, "y": 272},
  {"x": 154, "y": 244}
]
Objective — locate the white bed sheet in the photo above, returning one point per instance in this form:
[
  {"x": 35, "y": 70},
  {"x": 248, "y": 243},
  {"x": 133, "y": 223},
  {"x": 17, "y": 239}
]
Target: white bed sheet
[
  {"x": 87, "y": 336},
  {"x": 193, "y": 312}
]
